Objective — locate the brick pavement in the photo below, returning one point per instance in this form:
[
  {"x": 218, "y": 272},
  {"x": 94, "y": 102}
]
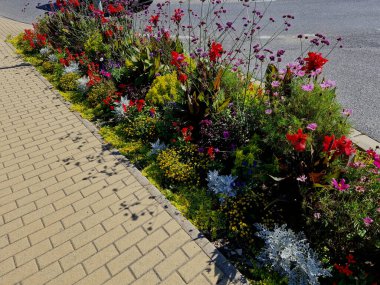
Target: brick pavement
[{"x": 70, "y": 211}]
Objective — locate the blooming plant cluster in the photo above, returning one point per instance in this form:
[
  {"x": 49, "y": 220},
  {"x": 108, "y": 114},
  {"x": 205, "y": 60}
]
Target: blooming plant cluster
[{"x": 232, "y": 134}]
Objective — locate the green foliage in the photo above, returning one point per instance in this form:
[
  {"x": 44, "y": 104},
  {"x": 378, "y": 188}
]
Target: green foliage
[
  {"x": 48, "y": 67},
  {"x": 342, "y": 212},
  {"x": 176, "y": 167},
  {"x": 244, "y": 210},
  {"x": 164, "y": 89},
  {"x": 135, "y": 150},
  {"x": 141, "y": 127},
  {"x": 94, "y": 44},
  {"x": 100, "y": 91},
  {"x": 68, "y": 81}
]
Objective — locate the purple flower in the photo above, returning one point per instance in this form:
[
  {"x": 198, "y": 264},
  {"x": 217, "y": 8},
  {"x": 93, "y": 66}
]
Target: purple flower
[
  {"x": 275, "y": 84},
  {"x": 312, "y": 126},
  {"x": 341, "y": 186},
  {"x": 347, "y": 112},
  {"x": 201, "y": 150},
  {"x": 328, "y": 84},
  {"x": 367, "y": 221},
  {"x": 308, "y": 87},
  {"x": 268, "y": 111},
  {"x": 226, "y": 134}
]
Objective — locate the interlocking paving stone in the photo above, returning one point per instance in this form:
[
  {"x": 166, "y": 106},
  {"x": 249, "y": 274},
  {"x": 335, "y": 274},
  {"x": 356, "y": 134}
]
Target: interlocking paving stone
[{"x": 70, "y": 211}]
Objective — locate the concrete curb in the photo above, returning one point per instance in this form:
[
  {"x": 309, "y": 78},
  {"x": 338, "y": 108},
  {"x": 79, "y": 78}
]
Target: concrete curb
[
  {"x": 231, "y": 274},
  {"x": 363, "y": 141}
]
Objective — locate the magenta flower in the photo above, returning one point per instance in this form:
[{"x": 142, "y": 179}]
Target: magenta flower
[
  {"x": 341, "y": 186},
  {"x": 376, "y": 161},
  {"x": 275, "y": 84},
  {"x": 367, "y": 221},
  {"x": 312, "y": 126},
  {"x": 268, "y": 111},
  {"x": 308, "y": 87}
]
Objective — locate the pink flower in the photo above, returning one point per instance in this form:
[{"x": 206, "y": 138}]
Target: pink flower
[
  {"x": 341, "y": 186},
  {"x": 347, "y": 112},
  {"x": 275, "y": 84},
  {"x": 308, "y": 87},
  {"x": 302, "y": 178},
  {"x": 359, "y": 189},
  {"x": 367, "y": 221},
  {"x": 312, "y": 126},
  {"x": 317, "y": 216},
  {"x": 328, "y": 84},
  {"x": 268, "y": 111}
]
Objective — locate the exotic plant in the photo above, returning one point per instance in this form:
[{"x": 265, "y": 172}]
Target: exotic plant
[
  {"x": 221, "y": 184},
  {"x": 289, "y": 254}
]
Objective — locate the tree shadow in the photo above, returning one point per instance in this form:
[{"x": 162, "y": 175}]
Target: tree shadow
[{"x": 16, "y": 66}]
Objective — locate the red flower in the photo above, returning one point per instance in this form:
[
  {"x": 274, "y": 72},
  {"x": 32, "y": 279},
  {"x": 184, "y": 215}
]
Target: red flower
[
  {"x": 186, "y": 132},
  {"x": 177, "y": 17},
  {"x": 344, "y": 145},
  {"x": 103, "y": 20},
  {"x": 215, "y": 51},
  {"x": 108, "y": 33},
  {"x": 112, "y": 108},
  {"x": 350, "y": 258},
  {"x": 152, "y": 112},
  {"x": 329, "y": 143},
  {"x": 148, "y": 29},
  {"x": 340, "y": 146},
  {"x": 140, "y": 104},
  {"x": 63, "y": 62},
  {"x": 343, "y": 269},
  {"x": 182, "y": 78},
  {"x": 314, "y": 61},
  {"x": 107, "y": 101},
  {"x": 60, "y": 3},
  {"x": 211, "y": 153},
  {"x": 115, "y": 9},
  {"x": 177, "y": 59},
  {"x": 74, "y": 3},
  {"x": 167, "y": 35},
  {"x": 298, "y": 140},
  {"x": 154, "y": 19}
]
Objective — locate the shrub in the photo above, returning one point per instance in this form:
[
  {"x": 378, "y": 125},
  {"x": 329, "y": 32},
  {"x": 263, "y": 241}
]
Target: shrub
[
  {"x": 48, "y": 67},
  {"x": 164, "y": 89},
  {"x": 175, "y": 167},
  {"x": 100, "y": 91},
  {"x": 68, "y": 81}
]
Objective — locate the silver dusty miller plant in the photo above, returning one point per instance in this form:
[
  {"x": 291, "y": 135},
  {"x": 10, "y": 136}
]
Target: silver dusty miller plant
[
  {"x": 290, "y": 255},
  {"x": 157, "y": 146},
  {"x": 221, "y": 184},
  {"x": 72, "y": 68}
]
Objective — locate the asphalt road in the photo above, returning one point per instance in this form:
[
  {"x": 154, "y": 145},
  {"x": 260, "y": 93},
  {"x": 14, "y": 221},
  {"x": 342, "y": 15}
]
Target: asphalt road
[{"x": 355, "y": 67}]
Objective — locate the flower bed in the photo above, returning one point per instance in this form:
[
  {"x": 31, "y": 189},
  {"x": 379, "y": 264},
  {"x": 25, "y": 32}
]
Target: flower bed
[{"x": 254, "y": 152}]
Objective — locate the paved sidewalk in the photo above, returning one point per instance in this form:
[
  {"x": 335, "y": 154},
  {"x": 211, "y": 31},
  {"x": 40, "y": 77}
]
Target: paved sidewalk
[{"x": 71, "y": 212}]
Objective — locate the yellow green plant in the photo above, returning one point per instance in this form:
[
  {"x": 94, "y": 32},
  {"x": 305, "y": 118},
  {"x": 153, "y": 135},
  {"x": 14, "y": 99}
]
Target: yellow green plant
[
  {"x": 68, "y": 81},
  {"x": 165, "y": 88}
]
